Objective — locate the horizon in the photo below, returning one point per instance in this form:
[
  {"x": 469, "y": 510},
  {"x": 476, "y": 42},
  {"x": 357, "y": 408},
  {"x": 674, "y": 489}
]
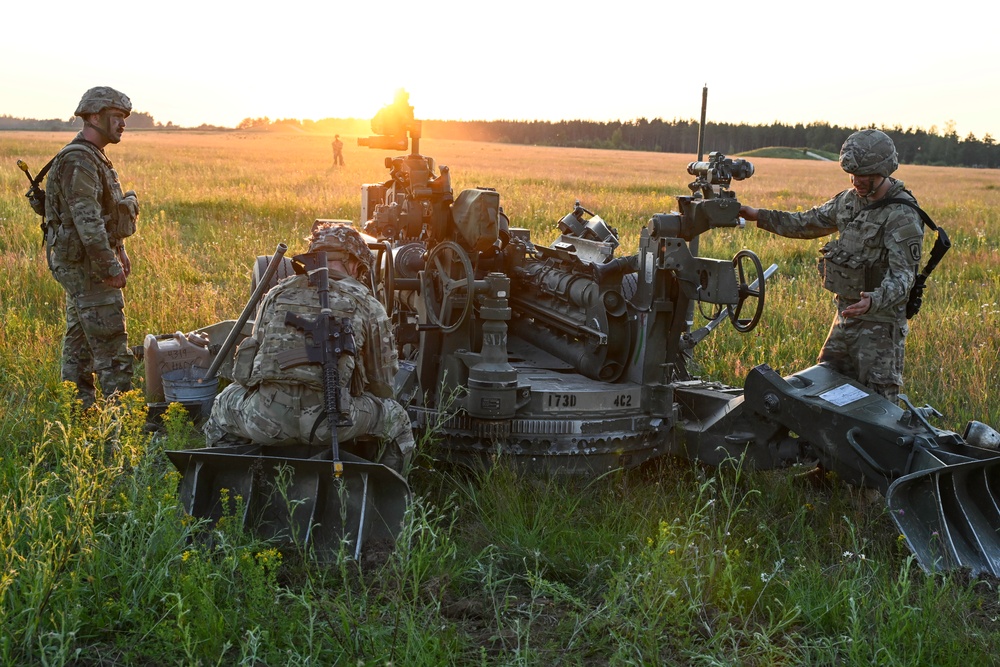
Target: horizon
[{"x": 934, "y": 130}]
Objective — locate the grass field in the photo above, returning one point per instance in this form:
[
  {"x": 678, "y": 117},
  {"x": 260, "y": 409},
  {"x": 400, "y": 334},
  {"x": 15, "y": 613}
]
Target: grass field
[{"x": 673, "y": 564}]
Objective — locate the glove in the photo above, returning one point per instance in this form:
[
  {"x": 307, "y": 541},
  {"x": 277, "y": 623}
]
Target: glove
[{"x": 129, "y": 205}]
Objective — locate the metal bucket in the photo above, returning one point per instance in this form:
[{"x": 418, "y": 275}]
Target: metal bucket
[{"x": 188, "y": 385}]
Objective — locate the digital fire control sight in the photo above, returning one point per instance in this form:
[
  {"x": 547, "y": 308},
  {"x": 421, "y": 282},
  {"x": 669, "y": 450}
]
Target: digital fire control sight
[{"x": 720, "y": 170}]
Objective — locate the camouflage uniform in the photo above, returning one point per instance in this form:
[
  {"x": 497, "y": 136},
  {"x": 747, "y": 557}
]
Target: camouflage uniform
[
  {"x": 877, "y": 252},
  {"x": 86, "y": 223},
  {"x": 338, "y": 151},
  {"x": 278, "y": 401}
]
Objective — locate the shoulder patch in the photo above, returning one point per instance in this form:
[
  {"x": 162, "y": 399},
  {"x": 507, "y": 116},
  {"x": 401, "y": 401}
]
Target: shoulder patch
[
  {"x": 908, "y": 230},
  {"x": 915, "y": 250},
  {"x": 84, "y": 178}
]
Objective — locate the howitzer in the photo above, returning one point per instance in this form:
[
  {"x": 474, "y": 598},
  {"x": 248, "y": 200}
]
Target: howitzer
[{"x": 567, "y": 359}]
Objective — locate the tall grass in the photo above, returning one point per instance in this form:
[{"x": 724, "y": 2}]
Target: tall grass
[{"x": 670, "y": 564}]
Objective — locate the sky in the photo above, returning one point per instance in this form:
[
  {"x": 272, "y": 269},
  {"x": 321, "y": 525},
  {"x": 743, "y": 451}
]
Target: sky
[{"x": 219, "y": 61}]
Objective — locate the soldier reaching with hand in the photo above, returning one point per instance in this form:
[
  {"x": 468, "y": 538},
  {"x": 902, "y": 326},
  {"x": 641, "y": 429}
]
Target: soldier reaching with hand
[
  {"x": 870, "y": 267},
  {"x": 87, "y": 219},
  {"x": 278, "y": 395}
]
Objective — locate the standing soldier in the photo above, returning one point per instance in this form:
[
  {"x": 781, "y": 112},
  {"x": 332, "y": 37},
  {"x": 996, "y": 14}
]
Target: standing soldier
[
  {"x": 87, "y": 219},
  {"x": 278, "y": 394},
  {"x": 870, "y": 267},
  {"x": 338, "y": 151}
]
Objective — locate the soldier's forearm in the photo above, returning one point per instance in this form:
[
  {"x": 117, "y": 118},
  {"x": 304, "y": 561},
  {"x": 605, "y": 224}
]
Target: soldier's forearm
[
  {"x": 795, "y": 225},
  {"x": 104, "y": 259}
]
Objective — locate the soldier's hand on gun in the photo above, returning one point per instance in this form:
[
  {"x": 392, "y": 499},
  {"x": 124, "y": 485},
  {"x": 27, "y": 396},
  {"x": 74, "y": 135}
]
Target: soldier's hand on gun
[{"x": 859, "y": 308}]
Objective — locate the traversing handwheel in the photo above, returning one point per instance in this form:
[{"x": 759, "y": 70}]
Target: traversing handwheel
[
  {"x": 751, "y": 286},
  {"x": 385, "y": 275},
  {"x": 440, "y": 289}
]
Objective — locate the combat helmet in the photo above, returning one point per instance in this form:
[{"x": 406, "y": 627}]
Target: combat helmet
[
  {"x": 869, "y": 152},
  {"x": 340, "y": 240},
  {"x": 99, "y": 98}
]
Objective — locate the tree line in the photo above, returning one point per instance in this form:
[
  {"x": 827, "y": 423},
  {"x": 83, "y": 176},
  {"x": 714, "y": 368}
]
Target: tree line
[
  {"x": 137, "y": 120},
  {"x": 915, "y": 145}
]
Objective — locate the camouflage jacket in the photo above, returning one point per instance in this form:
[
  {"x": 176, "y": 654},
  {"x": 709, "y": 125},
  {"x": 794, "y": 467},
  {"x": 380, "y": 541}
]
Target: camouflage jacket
[
  {"x": 884, "y": 244},
  {"x": 372, "y": 369},
  {"x": 81, "y": 211}
]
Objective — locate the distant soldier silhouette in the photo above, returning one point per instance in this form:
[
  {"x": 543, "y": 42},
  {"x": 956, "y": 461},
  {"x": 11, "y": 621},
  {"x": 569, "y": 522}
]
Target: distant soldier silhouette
[{"x": 338, "y": 151}]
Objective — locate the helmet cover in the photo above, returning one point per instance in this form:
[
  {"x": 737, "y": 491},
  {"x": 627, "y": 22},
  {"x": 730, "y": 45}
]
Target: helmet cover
[
  {"x": 99, "y": 98},
  {"x": 869, "y": 152},
  {"x": 340, "y": 240}
]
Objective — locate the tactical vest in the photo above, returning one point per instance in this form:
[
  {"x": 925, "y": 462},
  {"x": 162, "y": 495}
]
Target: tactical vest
[
  {"x": 857, "y": 261},
  {"x": 844, "y": 269},
  {"x": 118, "y": 225}
]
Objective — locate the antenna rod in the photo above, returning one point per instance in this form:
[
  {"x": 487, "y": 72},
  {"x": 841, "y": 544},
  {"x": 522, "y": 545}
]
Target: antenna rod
[
  {"x": 701, "y": 125},
  {"x": 693, "y": 245}
]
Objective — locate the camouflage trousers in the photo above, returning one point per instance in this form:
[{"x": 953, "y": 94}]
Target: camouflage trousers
[
  {"x": 869, "y": 352},
  {"x": 96, "y": 342},
  {"x": 283, "y": 414}
]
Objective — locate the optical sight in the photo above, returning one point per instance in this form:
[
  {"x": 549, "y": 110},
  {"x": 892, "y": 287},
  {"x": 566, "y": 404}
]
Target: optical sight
[{"x": 721, "y": 170}]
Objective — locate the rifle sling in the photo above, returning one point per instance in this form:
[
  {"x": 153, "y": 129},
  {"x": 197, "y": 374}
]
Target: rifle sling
[{"x": 941, "y": 244}]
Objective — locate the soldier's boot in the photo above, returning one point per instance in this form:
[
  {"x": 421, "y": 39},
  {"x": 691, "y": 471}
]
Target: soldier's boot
[
  {"x": 86, "y": 391},
  {"x": 117, "y": 377},
  {"x": 392, "y": 457}
]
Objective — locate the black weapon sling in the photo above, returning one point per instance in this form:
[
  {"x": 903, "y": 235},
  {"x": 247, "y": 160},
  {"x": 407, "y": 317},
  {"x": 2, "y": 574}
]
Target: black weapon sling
[{"x": 941, "y": 245}]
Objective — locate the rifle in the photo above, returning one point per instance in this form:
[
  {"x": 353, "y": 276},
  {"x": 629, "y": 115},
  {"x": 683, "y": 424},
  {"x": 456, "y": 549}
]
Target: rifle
[
  {"x": 35, "y": 194},
  {"x": 941, "y": 245},
  {"x": 327, "y": 337}
]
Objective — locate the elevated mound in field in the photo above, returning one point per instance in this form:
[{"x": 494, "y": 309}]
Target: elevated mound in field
[{"x": 791, "y": 153}]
